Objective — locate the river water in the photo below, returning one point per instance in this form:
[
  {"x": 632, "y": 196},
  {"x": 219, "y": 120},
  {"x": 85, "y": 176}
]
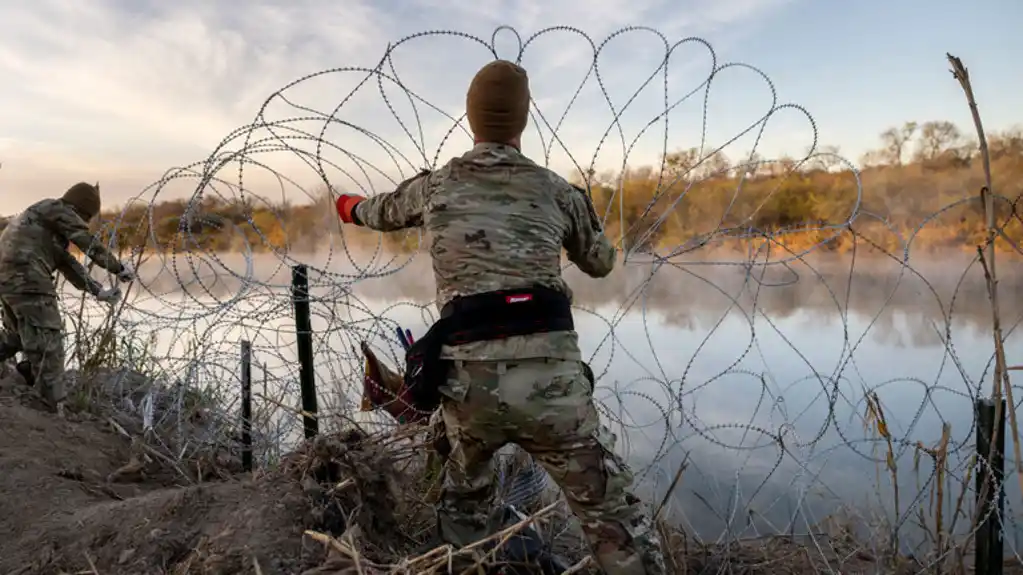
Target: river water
[{"x": 757, "y": 378}]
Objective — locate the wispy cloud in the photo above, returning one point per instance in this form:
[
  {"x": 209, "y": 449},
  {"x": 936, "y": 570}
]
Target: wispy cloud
[{"x": 120, "y": 90}]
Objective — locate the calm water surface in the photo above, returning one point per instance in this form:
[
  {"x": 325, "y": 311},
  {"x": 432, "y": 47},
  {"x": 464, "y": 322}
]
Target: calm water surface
[{"x": 757, "y": 379}]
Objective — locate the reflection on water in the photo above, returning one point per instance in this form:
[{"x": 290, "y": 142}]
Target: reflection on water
[{"x": 756, "y": 378}]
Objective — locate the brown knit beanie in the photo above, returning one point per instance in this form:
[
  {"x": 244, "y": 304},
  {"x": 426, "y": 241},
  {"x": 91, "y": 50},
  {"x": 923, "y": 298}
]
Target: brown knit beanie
[
  {"x": 84, "y": 198},
  {"x": 497, "y": 104}
]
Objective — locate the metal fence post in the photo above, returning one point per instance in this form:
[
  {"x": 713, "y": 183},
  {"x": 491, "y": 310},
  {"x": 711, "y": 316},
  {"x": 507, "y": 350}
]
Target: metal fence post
[
  {"x": 246, "y": 405},
  {"x": 990, "y": 490},
  {"x": 304, "y": 335}
]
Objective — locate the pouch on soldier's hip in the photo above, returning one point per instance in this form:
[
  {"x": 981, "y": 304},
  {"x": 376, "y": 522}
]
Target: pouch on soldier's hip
[{"x": 425, "y": 371}]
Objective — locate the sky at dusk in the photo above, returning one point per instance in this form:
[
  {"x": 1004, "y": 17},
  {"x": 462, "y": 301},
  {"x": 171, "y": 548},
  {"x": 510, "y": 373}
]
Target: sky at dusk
[{"x": 121, "y": 91}]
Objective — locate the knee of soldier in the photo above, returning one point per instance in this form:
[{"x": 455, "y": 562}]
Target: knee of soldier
[
  {"x": 606, "y": 496},
  {"x": 43, "y": 344},
  {"x": 41, "y": 337},
  {"x": 594, "y": 478},
  {"x": 41, "y": 312}
]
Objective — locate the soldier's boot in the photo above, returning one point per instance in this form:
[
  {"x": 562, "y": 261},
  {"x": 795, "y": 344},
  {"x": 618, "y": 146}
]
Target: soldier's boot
[
  {"x": 24, "y": 368},
  {"x": 6, "y": 353}
]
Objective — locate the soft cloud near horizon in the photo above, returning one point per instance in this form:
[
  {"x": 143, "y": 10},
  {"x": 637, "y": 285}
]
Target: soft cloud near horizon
[{"x": 119, "y": 91}]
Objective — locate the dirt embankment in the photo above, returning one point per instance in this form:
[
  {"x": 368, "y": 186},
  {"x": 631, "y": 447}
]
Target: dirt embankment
[{"x": 82, "y": 496}]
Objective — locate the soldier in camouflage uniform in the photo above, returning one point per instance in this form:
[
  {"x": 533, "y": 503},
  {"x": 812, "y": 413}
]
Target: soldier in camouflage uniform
[
  {"x": 498, "y": 221},
  {"x": 33, "y": 246}
]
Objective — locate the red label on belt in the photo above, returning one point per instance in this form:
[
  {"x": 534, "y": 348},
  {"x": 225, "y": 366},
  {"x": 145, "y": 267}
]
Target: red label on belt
[{"x": 518, "y": 298}]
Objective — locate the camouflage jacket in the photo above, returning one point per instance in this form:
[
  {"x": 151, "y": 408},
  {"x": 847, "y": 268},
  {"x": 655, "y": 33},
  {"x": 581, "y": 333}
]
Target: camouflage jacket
[
  {"x": 496, "y": 220},
  {"x": 34, "y": 246}
]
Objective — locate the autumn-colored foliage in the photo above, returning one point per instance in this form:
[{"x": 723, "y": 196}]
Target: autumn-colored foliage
[{"x": 909, "y": 188}]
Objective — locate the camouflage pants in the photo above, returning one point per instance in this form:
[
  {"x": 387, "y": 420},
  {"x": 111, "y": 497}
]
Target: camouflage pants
[
  {"x": 32, "y": 325},
  {"x": 546, "y": 407}
]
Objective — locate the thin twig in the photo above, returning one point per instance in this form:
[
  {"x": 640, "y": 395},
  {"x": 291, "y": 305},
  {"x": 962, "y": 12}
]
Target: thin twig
[
  {"x": 1001, "y": 377},
  {"x": 586, "y": 561},
  {"x": 671, "y": 488},
  {"x": 356, "y": 556},
  {"x": 342, "y": 548},
  {"x": 92, "y": 566},
  {"x": 151, "y": 451}
]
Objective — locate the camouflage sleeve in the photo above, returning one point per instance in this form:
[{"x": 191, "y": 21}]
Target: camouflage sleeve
[
  {"x": 67, "y": 224},
  {"x": 397, "y": 210},
  {"x": 77, "y": 275},
  {"x": 586, "y": 244}
]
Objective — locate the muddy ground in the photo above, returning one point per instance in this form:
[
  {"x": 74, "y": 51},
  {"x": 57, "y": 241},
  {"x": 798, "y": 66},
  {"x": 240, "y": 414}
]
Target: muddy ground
[{"x": 74, "y": 500}]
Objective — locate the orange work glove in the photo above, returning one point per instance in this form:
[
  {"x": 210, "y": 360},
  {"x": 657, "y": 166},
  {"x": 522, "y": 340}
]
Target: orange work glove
[{"x": 346, "y": 208}]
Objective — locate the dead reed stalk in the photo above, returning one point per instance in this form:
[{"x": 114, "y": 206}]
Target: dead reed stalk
[{"x": 1001, "y": 382}]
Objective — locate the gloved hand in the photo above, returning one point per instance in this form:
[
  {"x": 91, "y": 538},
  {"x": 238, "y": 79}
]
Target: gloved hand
[
  {"x": 127, "y": 274},
  {"x": 346, "y": 208},
  {"x": 110, "y": 296}
]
